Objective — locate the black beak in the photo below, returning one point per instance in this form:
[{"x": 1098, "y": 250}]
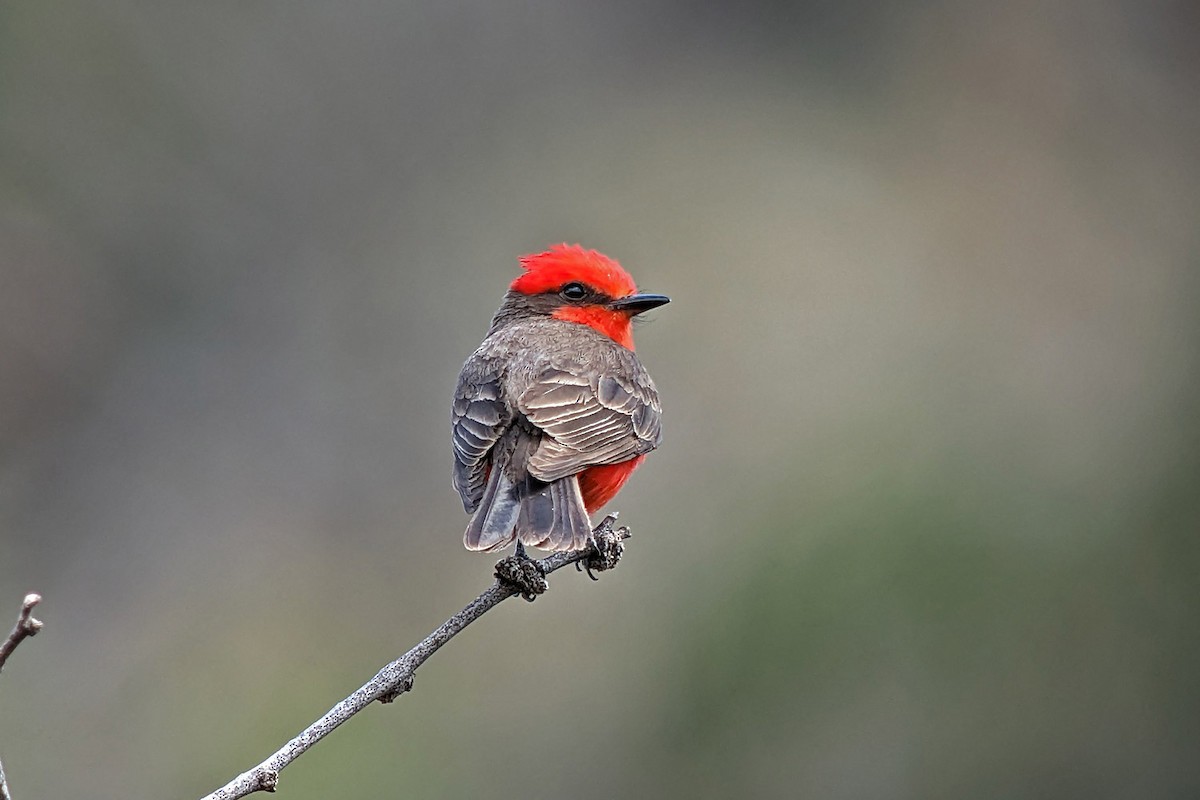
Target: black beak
[{"x": 635, "y": 304}]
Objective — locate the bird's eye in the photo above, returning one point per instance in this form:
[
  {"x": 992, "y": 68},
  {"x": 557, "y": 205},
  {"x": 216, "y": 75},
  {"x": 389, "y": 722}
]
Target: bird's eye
[{"x": 574, "y": 291}]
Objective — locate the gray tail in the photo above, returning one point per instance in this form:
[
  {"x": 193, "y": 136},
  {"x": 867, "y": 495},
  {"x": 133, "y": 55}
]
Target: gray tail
[
  {"x": 495, "y": 521},
  {"x": 549, "y": 516},
  {"x": 552, "y": 515}
]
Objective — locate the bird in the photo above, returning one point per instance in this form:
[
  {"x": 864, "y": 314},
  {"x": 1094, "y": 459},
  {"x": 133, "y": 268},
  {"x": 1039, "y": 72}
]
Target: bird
[{"x": 553, "y": 411}]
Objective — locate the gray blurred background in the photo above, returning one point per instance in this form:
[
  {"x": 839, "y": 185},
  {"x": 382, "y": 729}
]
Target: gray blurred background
[{"x": 925, "y": 521}]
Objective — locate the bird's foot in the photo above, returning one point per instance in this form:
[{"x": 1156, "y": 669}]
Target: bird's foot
[
  {"x": 523, "y": 574},
  {"x": 606, "y": 544}
]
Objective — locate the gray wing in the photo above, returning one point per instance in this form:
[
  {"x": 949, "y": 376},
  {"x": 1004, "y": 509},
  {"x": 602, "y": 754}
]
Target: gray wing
[
  {"x": 590, "y": 420},
  {"x": 479, "y": 417}
]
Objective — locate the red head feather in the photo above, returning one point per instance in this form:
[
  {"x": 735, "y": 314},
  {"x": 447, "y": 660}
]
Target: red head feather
[{"x": 563, "y": 263}]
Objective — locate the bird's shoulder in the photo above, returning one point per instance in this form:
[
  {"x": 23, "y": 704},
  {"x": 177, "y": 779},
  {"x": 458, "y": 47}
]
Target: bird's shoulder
[{"x": 520, "y": 352}]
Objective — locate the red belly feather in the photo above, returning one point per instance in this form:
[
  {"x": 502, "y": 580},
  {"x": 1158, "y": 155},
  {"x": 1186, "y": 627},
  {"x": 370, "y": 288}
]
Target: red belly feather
[{"x": 601, "y": 484}]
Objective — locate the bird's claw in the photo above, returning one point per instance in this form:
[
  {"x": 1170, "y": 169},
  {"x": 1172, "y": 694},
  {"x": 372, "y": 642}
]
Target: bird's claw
[
  {"x": 606, "y": 545},
  {"x": 523, "y": 574}
]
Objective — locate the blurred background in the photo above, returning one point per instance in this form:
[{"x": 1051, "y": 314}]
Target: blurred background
[{"x": 925, "y": 520}]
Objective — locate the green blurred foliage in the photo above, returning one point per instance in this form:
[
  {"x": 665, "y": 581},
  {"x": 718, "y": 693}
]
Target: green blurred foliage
[{"x": 923, "y": 648}]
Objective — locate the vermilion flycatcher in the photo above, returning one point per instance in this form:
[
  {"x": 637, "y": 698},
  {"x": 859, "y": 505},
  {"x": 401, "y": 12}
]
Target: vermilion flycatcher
[{"x": 553, "y": 411}]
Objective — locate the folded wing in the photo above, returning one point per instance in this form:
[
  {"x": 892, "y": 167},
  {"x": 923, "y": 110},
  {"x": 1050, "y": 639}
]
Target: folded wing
[
  {"x": 479, "y": 417},
  {"x": 589, "y": 419}
]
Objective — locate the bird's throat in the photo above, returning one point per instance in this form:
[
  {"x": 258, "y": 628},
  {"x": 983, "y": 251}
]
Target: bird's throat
[{"x": 613, "y": 324}]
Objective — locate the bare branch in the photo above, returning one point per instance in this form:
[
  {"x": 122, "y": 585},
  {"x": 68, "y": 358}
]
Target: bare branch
[
  {"x": 4, "y": 795},
  {"x": 26, "y": 626},
  {"x": 513, "y": 576}
]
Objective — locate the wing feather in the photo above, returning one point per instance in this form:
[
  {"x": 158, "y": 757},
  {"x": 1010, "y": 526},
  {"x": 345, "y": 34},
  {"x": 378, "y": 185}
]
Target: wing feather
[
  {"x": 588, "y": 419},
  {"x": 479, "y": 417}
]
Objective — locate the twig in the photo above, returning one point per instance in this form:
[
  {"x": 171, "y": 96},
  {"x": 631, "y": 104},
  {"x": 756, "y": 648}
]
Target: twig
[
  {"x": 26, "y": 626},
  {"x": 514, "y": 576}
]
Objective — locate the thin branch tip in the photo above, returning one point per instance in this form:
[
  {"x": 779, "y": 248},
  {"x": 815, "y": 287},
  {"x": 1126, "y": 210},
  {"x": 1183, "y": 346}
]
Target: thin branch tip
[
  {"x": 26, "y": 620},
  {"x": 25, "y": 627}
]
